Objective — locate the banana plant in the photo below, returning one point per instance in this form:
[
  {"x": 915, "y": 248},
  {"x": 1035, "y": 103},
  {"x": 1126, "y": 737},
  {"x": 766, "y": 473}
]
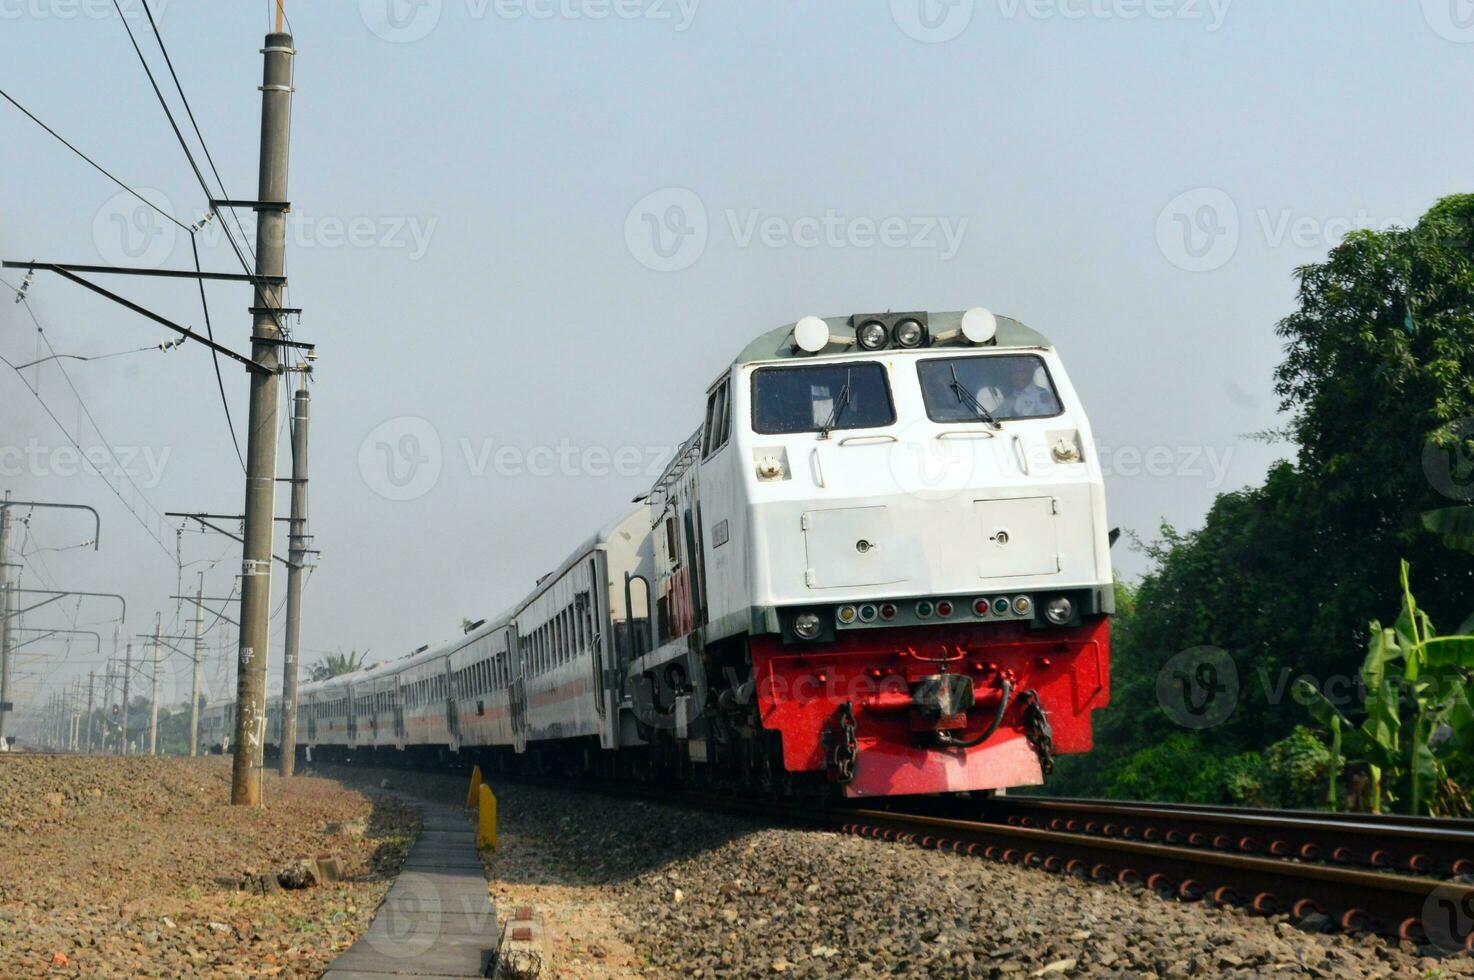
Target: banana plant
[
  {"x": 1456, "y": 524},
  {"x": 1415, "y": 721}
]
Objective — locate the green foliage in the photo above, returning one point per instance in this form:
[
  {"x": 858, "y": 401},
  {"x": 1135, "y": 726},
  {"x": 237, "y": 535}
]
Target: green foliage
[
  {"x": 1456, "y": 524},
  {"x": 1378, "y": 384},
  {"x": 1177, "y": 770},
  {"x": 1294, "y": 770},
  {"x": 1415, "y": 736},
  {"x": 336, "y": 664},
  {"x": 1189, "y": 768}
]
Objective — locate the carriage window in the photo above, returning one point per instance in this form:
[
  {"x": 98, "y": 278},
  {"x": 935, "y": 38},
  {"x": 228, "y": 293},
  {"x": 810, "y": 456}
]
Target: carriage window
[
  {"x": 812, "y": 398},
  {"x": 1007, "y": 386}
]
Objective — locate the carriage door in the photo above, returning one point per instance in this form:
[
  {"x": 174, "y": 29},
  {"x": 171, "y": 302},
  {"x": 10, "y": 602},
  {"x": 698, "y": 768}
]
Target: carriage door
[
  {"x": 452, "y": 718},
  {"x": 517, "y": 693},
  {"x": 352, "y": 716},
  {"x": 398, "y": 696},
  {"x": 588, "y": 603}
]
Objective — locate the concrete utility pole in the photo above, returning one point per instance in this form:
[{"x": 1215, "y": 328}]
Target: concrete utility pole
[
  {"x": 296, "y": 558},
  {"x": 153, "y": 710},
  {"x": 107, "y": 704},
  {"x": 91, "y": 678},
  {"x": 127, "y": 676},
  {"x": 7, "y": 613},
  {"x": 271, "y": 200},
  {"x": 199, "y": 658},
  {"x": 76, "y": 717}
]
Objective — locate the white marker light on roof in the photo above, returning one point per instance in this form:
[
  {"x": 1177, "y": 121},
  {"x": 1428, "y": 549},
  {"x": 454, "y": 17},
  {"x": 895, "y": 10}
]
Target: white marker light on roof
[
  {"x": 811, "y": 334},
  {"x": 979, "y": 326}
]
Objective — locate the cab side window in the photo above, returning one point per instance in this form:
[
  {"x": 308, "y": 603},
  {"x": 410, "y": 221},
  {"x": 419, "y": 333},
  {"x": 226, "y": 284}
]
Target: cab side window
[{"x": 718, "y": 421}]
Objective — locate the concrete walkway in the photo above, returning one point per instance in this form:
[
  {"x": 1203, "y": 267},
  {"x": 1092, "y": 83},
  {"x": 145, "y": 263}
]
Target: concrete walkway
[{"x": 437, "y": 920}]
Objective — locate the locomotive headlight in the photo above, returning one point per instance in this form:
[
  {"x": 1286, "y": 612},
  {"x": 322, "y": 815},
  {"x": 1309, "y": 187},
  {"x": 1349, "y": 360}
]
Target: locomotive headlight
[
  {"x": 807, "y": 626},
  {"x": 909, "y": 333},
  {"x": 811, "y": 334},
  {"x": 872, "y": 335},
  {"x": 979, "y": 326},
  {"x": 1059, "y": 611}
]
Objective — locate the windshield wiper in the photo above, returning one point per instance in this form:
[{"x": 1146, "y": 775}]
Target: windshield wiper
[
  {"x": 839, "y": 406},
  {"x": 966, "y": 398}
]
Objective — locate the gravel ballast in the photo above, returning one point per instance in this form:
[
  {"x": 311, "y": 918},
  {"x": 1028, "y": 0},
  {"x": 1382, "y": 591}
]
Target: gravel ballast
[
  {"x": 630, "y": 888},
  {"x": 131, "y": 867}
]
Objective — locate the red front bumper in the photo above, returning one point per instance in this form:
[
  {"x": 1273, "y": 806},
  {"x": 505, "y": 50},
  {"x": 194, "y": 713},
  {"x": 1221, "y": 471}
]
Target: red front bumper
[{"x": 802, "y": 690}]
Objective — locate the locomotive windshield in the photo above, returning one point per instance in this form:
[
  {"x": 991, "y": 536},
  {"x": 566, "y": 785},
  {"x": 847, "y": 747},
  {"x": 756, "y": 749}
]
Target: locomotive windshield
[
  {"x": 1005, "y": 386},
  {"x": 821, "y": 397}
]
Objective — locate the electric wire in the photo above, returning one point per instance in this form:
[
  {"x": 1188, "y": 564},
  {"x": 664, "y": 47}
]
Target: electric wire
[
  {"x": 95, "y": 165},
  {"x": 276, "y": 314},
  {"x": 219, "y": 378},
  {"x": 196, "y": 126},
  {"x": 76, "y": 445}
]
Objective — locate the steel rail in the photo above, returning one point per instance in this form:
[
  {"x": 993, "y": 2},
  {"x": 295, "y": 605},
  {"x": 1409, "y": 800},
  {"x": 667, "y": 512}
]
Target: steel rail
[
  {"x": 1413, "y": 908},
  {"x": 1420, "y": 846},
  {"x": 1416, "y": 908}
]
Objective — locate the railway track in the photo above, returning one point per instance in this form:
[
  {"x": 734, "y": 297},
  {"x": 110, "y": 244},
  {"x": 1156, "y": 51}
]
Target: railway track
[
  {"x": 1406, "y": 906},
  {"x": 1271, "y": 862},
  {"x": 1423, "y": 846}
]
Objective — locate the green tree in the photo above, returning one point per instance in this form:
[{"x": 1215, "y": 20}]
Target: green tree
[
  {"x": 1378, "y": 386},
  {"x": 335, "y": 664}
]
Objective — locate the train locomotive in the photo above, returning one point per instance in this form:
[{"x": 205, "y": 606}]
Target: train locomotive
[{"x": 879, "y": 567}]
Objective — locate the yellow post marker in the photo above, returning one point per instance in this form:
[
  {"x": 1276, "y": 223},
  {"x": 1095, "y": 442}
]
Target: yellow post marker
[
  {"x": 486, "y": 821},
  {"x": 471, "y": 799}
]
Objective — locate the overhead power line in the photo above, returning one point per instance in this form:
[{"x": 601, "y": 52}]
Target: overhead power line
[
  {"x": 220, "y": 181},
  {"x": 276, "y": 314},
  {"x": 95, "y": 165}
]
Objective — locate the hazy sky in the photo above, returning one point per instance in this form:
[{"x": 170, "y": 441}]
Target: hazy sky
[{"x": 527, "y": 234}]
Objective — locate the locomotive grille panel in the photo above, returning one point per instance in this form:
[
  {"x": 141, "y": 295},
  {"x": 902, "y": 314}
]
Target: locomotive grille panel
[
  {"x": 1019, "y": 537},
  {"x": 851, "y": 546}
]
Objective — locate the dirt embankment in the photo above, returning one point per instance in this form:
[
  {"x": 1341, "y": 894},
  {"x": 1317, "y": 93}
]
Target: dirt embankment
[{"x": 129, "y": 867}]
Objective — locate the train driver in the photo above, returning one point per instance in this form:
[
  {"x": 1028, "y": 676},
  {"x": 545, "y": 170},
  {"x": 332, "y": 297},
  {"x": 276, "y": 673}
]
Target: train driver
[{"x": 1029, "y": 399}]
